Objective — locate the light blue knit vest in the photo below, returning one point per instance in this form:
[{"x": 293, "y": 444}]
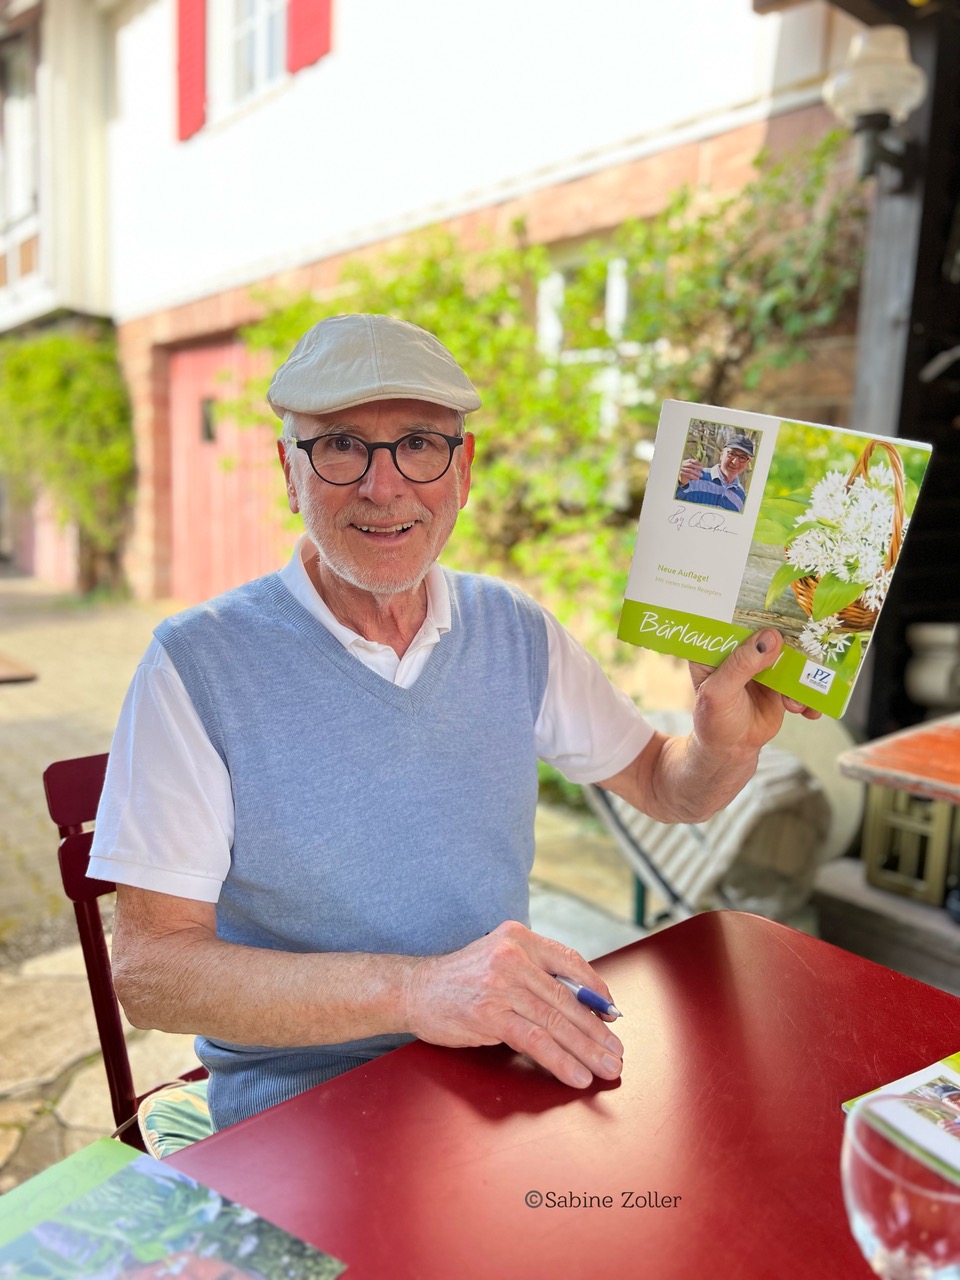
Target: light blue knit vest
[{"x": 368, "y": 817}]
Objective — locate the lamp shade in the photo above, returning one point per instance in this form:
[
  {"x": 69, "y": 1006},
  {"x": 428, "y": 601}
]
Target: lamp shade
[{"x": 878, "y": 78}]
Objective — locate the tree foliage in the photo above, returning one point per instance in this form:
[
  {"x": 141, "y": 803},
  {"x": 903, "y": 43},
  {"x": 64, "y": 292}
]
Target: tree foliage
[
  {"x": 720, "y": 291},
  {"x": 65, "y": 429}
]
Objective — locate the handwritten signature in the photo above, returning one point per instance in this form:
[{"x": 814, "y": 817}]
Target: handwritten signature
[{"x": 708, "y": 520}]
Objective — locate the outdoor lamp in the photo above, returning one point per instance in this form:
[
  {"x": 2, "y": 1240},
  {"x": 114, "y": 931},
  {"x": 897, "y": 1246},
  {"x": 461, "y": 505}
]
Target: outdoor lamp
[{"x": 877, "y": 86}]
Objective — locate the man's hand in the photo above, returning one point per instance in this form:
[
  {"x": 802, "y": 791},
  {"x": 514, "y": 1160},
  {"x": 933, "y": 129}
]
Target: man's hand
[
  {"x": 172, "y": 972},
  {"x": 690, "y": 469},
  {"x": 498, "y": 990},
  {"x": 732, "y": 712},
  {"x": 689, "y": 779}
]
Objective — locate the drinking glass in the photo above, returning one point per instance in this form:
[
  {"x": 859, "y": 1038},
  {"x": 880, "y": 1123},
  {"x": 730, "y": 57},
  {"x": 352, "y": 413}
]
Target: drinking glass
[{"x": 904, "y": 1215}]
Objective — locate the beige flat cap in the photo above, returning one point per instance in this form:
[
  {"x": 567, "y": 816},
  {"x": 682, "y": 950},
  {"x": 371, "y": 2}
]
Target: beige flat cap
[{"x": 349, "y": 360}]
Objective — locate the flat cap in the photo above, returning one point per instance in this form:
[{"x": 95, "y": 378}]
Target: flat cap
[
  {"x": 352, "y": 359},
  {"x": 743, "y": 443}
]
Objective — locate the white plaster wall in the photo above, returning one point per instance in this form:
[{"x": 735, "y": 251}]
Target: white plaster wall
[{"x": 423, "y": 108}]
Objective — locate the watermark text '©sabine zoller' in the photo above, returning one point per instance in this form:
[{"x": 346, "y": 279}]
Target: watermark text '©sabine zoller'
[{"x": 583, "y": 1200}]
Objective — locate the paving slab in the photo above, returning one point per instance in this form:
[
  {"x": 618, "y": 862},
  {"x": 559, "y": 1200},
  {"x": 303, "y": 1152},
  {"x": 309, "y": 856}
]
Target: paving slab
[
  {"x": 46, "y": 1025},
  {"x": 568, "y": 919},
  {"x": 63, "y": 962},
  {"x": 70, "y": 709},
  {"x": 20, "y": 1110},
  {"x": 41, "y": 1146},
  {"x": 9, "y": 1141}
]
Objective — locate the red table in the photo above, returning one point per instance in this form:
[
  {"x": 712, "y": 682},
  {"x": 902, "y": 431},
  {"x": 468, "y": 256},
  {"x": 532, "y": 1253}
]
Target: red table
[{"x": 742, "y": 1039}]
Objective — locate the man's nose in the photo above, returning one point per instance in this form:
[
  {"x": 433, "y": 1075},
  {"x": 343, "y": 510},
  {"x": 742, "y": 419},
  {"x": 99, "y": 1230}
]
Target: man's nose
[{"x": 382, "y": 481}]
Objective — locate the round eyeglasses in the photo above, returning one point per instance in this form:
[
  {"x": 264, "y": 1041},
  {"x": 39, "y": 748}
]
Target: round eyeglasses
[{"x": 420, "y": 457}]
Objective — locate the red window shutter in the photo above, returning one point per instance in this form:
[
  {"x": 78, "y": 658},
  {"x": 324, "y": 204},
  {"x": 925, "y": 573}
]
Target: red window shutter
[
  {"x": 191, "y": 66},
  {"x": 308, "y": 32}
]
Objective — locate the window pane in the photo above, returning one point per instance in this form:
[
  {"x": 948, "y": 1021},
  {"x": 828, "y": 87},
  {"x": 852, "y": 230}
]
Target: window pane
[
  {"x": 18, "y": 105},
  {"x": 244, "y": 65},
  {"x": 255, "y": 34},
  {"x": 276, "y": 44}
]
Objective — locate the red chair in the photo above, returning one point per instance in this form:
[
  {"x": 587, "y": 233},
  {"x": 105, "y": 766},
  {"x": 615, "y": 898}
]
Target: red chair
[{"x": 73, "y": 792}]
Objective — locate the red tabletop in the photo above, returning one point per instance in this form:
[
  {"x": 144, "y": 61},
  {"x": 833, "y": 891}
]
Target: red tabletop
[
  {"x": 718, "y": 1150},
  {"x": 924, "y": 760}
]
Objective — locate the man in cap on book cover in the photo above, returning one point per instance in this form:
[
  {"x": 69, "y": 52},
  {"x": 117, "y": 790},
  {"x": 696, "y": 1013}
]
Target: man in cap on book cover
[{"x": 722, "y": 484}]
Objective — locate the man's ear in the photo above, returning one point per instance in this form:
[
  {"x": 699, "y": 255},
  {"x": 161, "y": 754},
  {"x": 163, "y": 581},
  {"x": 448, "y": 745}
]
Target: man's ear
[
  {"x": 465, "y": 464},
  {"x": 286, "y": 461}
]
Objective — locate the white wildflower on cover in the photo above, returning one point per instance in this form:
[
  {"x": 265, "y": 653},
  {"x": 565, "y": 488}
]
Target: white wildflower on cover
[
  {"x": 822, "y": 641},
  {"x": 851, "y": 540},
  {"x": 875, "y": 594},
  {"x": 827, "y": 499},
  {"x": 853, "y": 543}
]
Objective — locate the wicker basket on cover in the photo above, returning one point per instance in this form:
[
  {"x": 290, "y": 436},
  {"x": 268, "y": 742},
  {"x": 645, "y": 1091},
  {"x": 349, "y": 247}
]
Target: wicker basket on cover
[{"x": 856, "y": 616}]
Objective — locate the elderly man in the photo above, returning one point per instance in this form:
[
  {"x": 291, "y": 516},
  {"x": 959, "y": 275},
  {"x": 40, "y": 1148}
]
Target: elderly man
[
  {"x": 320, "y": 799},
  {"x": 720, "y": 485}
]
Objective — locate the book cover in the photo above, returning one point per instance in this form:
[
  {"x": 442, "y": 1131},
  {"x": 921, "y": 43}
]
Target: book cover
[
  {"x": 45, "y": 1194},
  {"x": 148, "y": 1220},
  {"x": 750, "y": 520},
  {"x": 927, "y": 1133}
]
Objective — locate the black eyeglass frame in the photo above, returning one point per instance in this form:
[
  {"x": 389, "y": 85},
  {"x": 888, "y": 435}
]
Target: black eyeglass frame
[{"x": 371, "y": 445}]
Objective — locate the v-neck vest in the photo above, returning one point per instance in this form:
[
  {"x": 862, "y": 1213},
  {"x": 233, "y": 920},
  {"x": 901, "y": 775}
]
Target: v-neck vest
[{"x": 369, "y": 817}]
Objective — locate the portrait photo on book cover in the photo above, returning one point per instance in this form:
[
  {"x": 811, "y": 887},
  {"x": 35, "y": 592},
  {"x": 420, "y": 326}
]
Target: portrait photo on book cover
[
  {"x": 834, "y": 512},
  {"x": 716, "y": 466},
  {"x": 946, "y": 1114}
]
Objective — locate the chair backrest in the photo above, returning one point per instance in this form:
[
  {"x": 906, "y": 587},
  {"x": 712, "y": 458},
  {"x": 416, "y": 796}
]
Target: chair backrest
[{"x": 73, "y": 789}]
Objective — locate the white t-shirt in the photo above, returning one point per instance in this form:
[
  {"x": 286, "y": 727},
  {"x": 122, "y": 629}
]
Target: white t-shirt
[{"x": 166, "y": 817}]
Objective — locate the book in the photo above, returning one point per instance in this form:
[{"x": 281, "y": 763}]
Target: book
[
  {"x": 45, "y": 1194},
  {"x": 929, "y": 1134},
  {"x": 750, "y": 521},
  {"x": 109, "y": 1212}
]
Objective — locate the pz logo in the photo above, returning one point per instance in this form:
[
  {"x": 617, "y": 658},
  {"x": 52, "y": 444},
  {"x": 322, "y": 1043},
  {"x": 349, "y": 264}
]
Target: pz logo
[{"x": 816, "y": 677}]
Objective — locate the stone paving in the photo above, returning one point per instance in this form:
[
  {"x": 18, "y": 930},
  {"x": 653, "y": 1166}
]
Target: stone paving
[
  {"x": 84, "y": 656},
  {"x": 53, "y": 1093}
]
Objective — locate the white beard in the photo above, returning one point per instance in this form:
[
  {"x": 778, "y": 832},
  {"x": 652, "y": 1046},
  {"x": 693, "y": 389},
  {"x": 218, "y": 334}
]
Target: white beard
[{"x": 380, "y": 579}]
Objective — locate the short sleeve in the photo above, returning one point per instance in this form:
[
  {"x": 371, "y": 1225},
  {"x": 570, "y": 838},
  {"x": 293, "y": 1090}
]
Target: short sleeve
[
  {"x": 166, "y": 818},
  {"x": 587, "y": 728}
]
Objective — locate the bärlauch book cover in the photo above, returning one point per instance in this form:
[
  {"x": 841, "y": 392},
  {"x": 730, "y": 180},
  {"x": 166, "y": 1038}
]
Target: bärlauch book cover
[{"x": 750, "y": 520}]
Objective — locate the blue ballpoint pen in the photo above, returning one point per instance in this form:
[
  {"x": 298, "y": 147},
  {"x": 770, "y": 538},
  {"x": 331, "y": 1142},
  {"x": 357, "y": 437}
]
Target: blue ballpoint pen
[{"x": 592, "y": 999}]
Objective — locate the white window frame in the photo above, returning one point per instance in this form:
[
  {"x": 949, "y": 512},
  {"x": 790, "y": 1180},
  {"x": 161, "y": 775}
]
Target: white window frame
[
  {"x": 228, "y": 25},
  {"x": 19, "y": 167},
  {"x": 614, "y": 386}
]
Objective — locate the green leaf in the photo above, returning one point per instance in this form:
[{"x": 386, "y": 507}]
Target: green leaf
[
  {"x": 772, "y": 533},
  {"x": 789, "y": 507},
  {"x": 805, "y": 528},
  {"x": 833, "y": 594},
  {"x": 911, "y": 491},
  {"x": 785, "y": 575},
  {"x": 852, "y": 657}
]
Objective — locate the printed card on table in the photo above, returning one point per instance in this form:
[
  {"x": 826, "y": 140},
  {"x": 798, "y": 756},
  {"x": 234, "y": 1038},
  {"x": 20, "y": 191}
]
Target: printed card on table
[
  {"x": 751, "y": 520},
  {"x": 931, "y": 1133},
  {"x": 110, "y": 1215}
]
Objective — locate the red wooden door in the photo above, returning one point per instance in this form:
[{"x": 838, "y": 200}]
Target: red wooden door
[{"x": 227, "y": 509}]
